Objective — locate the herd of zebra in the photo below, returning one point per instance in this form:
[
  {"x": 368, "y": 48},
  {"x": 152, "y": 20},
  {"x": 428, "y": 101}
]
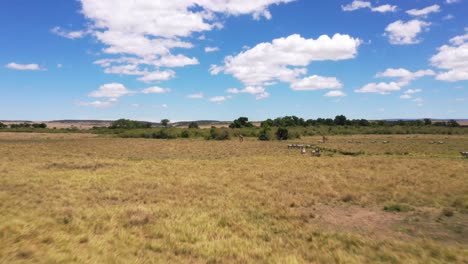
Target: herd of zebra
[{"x": 316, "y": 151}]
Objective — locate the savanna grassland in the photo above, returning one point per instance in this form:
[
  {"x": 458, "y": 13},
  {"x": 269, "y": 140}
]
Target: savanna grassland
[{"x": 82, "y": 198}]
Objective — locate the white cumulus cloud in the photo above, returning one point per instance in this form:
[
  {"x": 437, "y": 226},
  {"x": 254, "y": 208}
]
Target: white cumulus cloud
[
  {"x": 68, "y": 34},
  {"x": 258, "y": 91},
  {"x": 286, "y": 59},
  {"x": 219, "y": 99},
  {"x": 358, "y": 4},
  {"x": 158, "y": 76},
  {"x": 381, "y": 88},
  {"x": 404, "y": 77},
  {"x": 316, "y": 82},
  {"x": 99, "y": 104},
  {"x": 24, "y": 67},
  {"x": 335, "y": 94},
  {"x": 404, "y": 33},
  {"x": 211, "y": 49},
  {"x": 156, "y": 90},
  {"x": 111, "y": 90},
  {"x": 408, "y": 93},
  {"x": 425, "y": 11},
  {"x": 453, "y": 58},
  {"x": 145, "y": 33}
]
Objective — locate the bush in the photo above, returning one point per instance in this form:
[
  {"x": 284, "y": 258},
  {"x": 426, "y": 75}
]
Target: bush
[
  {"x": 41, "y": 125},
  {"x": 282, "y": 133},
  {"x": 397, "y": 208},
  {"x": 2, "y": 125},
  {"x": 265, "y": 134},
  {"x": 164, "y": 134},
  {"x": 219, "y": 134},
  {"x": 185, "y": 134}
]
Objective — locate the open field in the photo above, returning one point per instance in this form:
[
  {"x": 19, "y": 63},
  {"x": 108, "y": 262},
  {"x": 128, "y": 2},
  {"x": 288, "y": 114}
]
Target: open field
[{"x": 81, "y": 198}]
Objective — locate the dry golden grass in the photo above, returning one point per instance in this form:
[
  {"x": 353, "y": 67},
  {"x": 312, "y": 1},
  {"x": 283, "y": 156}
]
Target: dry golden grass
[{"x": 85, "y": 199}]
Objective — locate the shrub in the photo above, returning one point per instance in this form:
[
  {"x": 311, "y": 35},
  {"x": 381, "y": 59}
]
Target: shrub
[
  {"x": 185, "y": 134},
  {"x": 41, "y": 125},
  {"x": 164, "y": 134},
  {"x": 282, "y": 133},
  {"x": 397, "y": 208},
  {"x": 219, "y": 134},
  {"x": 2, "y": 125},
  {"x": 265, "y": 134},
  {"x": 448, "y": 212}
]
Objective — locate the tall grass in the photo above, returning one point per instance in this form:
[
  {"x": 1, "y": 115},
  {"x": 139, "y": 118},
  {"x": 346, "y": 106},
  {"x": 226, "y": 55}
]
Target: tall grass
[{"x": 80, "y": 198}]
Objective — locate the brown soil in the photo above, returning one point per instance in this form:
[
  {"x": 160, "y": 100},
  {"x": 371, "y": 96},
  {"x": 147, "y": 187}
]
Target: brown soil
[{"x": 365, "y": 221}]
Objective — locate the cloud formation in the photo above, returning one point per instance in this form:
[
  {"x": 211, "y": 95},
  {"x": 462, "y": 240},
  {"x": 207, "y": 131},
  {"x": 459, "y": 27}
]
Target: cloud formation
[
  {"x": 404, "y": 33},
  {"x": 111, "y": 90},
  {"x": 358, "y": 4},
  {"x": 219, "y": 99},
  {"x": 156, "y": 90},
  {"x": 408, "y": 94},
  {"x": 211, "y": 49},
  {"x": 24, "y": 67},
  {"x": 286, "y": 59},
  {"x": 453, "y": 58},
  {"x": 258, "y": 91},
  {"x": 425, "y": 11},
  {"x": 335, "y": 94},
  {"x": 404, "y": 77},
  {"x": 144, "y": 33},
  {"x": 68, "y": 34}
]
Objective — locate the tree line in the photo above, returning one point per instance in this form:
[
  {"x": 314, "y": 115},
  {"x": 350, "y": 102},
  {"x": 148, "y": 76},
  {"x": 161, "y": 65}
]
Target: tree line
[{"x": 23, "y": 125}]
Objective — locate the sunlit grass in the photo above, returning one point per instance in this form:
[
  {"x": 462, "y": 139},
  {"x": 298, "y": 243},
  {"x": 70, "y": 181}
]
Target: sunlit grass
[{"x": 80, "y": 198}]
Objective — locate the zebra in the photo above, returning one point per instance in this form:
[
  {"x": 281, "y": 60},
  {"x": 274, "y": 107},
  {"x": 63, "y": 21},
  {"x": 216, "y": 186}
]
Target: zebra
[{"x": 316, "y": 152}]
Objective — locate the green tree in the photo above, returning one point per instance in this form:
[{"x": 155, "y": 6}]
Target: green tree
[
  {"x": 282, "y": 133},
  {"x": 165, "y": 122},
  {"x": 129, "y": 124},
  {"x": 340, "y": 120},
  {"x": 193, "y": 125},
  {"x": 427, "y": 122},
  {"x": 267, "y": 123},
  {"x": 452, "y": 123},
  {"x": 240, "y": 123},
  {"x": 3, "y": 125},
  {"x": 41, "y": 125}
]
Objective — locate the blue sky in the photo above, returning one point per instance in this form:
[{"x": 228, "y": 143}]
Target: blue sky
[{"x": 221, "y": 59}]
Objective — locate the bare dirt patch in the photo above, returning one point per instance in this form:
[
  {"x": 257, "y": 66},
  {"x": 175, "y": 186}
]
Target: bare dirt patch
[{"x": 365, "y": 221}]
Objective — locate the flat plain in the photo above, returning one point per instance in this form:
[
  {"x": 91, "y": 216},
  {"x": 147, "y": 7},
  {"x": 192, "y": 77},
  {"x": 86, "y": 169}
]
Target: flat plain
[{"x": 81, "y": 198}]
